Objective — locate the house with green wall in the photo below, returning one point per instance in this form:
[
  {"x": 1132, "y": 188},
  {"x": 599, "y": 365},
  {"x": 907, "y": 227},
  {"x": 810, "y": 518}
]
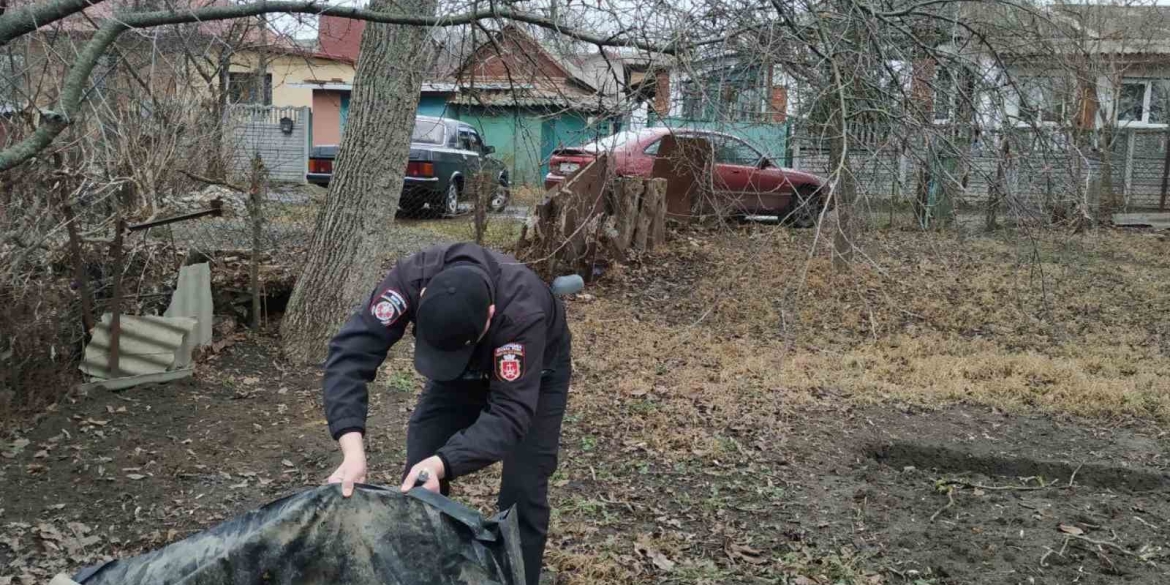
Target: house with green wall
[
  {"x": 524, "y": 98},
  {"x": 745, "y": 97},
  {"x": 525, "y": 101}
]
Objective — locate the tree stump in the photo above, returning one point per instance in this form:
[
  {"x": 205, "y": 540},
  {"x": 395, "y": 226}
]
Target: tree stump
[
  {"x": 627, "y": 194},
  {"x": 593, "y": 219},
  {"x": 658, "y": 223},
  {"x": 643, "y": 240},
  {"x": 561, "y": 235}
]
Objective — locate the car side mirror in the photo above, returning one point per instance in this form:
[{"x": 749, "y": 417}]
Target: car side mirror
[
  {"x": 489, "y": 149},
  {"x": 764, "y": 162}
]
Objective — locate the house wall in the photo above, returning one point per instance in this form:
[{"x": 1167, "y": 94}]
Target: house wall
[
  {"x": 293, "y": 76},
  {"x": 435, "y": 105},
  {"x": 569, "y": 129},
  {"x": 516, "y": 136}
]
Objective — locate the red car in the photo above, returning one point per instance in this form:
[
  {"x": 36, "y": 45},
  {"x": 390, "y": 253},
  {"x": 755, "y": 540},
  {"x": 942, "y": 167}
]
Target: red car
[{"x": 745, "y": 181}]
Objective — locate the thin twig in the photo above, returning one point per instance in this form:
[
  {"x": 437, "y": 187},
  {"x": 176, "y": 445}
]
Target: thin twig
[
  {"x": 1022, "y": 488},
  {"x": 1110, "y": 544},
  {"x": 1072, "y": 478},
  {"x": 1143, "y": 521},
  {"x": 1047, "y": 551},
  {"x": 950, "y": 503}
]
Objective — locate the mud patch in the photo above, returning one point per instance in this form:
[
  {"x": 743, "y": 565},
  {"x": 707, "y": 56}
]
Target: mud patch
[{"x": 901, "y": 454}]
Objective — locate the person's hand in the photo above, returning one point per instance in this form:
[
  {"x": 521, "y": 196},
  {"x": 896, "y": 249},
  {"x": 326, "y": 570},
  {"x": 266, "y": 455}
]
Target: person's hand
[
  {"x": 353, "y": 463},
  {"x": 433, "y": 466}
]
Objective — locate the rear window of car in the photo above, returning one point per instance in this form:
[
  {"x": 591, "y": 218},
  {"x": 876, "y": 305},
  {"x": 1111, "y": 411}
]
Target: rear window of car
[
  {"x": 612, "y": 142},
  {"x": 428, "y": 131}
]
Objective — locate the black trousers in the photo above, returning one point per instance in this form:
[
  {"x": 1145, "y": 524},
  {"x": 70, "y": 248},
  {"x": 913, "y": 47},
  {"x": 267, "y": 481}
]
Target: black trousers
[{"x": 447, "y": 408}]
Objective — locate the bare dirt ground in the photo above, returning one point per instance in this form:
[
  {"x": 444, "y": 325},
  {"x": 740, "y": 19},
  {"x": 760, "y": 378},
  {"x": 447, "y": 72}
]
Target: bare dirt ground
[{"x": 960, "y": 410}]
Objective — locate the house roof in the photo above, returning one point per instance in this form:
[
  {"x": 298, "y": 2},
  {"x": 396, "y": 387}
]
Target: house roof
[
  {"x": 511, "y": 53},
  {"x": 1072, "y": 28},
  {"x": 546, "y": 97},
  {"x": 1120, "y": 29}
]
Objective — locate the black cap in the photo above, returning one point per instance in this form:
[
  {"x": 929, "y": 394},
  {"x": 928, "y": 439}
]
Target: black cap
[{"x": 451, "y": 318}]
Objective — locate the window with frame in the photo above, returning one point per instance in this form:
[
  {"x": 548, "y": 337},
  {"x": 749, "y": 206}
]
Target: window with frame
[
  {"x": 1145, "y": 101},
  {"x": 693, "y": 106},
  {"x": 469, "y": 140},
  {"x": 943, "y": 103},
  {"x": 1043, "y": 100},
  {"x": 730, "y": 151},
  {"x": 242, "y": 88}
]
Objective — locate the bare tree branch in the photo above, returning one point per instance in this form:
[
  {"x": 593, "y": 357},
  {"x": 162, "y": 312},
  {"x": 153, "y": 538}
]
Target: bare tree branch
[
  {"x": 37, "y": 14},
  {"x": 75, "y": 81}
]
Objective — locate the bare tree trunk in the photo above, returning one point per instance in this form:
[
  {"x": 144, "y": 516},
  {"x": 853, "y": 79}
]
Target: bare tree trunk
[
  {"x": 216, "y": 165},
  {"x": 257, "y": 195},
  {"x": 349, "y": 250},
  {"x": 843, "y": 196}
]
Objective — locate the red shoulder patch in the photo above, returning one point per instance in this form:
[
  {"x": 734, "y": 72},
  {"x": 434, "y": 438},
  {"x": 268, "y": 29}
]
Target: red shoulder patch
[
  {"x": 510, "y": 362},
  {"x": 388, "y": 307}
]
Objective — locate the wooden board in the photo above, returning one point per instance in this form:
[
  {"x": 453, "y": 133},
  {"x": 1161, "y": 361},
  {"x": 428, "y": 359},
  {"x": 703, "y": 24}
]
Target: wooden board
[{"x": 685, "y": 164}]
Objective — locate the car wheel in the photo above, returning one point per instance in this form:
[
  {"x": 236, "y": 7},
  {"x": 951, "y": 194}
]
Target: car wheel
[
  {"x": 451, "y": 199},
  {"x": 804, "y": 209},
  {"x": 501, "y": 197}
]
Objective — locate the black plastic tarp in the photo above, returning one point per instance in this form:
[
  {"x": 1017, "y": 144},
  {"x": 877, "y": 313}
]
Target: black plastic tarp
[{"x": 317, "y": 537}]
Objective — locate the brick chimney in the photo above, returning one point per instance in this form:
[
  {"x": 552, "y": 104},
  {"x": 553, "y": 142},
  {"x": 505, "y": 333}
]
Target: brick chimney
[
  {"x": 662, "y": 93},
  {"x": 340, "y": 37}
]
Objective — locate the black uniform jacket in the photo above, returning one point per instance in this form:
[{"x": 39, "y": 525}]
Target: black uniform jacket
[{"x": 525, "y": 336}]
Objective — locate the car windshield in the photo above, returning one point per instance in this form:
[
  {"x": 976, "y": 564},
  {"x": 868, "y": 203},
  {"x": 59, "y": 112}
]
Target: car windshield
[
  {"x": 428, "y": 131},
  {"x": 611, "y": 142}
]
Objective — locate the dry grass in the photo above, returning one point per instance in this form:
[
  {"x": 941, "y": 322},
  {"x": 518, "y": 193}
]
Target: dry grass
[
  {"x": 705, "y": 353},
  {"x": 1076, "y": 327},
  {"x": 526, "y": 196},
  {"x": 502, "y": 232}
]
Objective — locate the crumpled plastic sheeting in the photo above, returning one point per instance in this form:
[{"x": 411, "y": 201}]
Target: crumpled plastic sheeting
[{"x": 376, "y": 537}]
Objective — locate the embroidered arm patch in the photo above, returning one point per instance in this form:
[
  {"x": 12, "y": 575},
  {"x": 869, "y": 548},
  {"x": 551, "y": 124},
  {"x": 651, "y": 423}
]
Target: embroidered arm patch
[
  {"x": 388, "y": 307},
  {"x": 510, "y": 362}
]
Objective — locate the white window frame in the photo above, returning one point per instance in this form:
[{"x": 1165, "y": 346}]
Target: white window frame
[{"x": 1148, "y": 82}]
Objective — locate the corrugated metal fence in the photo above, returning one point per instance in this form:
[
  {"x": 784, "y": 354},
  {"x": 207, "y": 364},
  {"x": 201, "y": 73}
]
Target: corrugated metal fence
[{"x": 253, "y": 129}]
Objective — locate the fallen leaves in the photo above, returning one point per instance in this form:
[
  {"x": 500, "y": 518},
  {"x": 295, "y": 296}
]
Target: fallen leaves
[
  {"x": 645, "y": 547},
  {"x": 738, "y": 552},
  {"x": 1070, "y": 529},
  {"x": 15, "y": 448}
]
